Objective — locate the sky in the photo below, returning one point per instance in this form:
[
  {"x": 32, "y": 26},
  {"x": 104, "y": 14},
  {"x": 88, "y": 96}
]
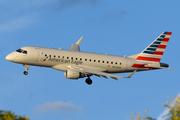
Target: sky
[{"x": 116, "y": 27}]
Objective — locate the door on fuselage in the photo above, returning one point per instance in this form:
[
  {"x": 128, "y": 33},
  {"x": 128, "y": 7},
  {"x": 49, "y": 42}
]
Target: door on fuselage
[
  {"x": 37, "y": 54},
  {"x": 127, "y": 64}
]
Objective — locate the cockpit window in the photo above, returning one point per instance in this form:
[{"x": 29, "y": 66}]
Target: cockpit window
[
  {"x": 21, "y": 51},
  {"x": 25, "y": 52}
]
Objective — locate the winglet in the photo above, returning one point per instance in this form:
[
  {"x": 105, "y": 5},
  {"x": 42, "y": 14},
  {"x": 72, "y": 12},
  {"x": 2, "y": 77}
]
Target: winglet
[
  {"x": 78, "y": 42},
  {"x": 131, "y": 74},
  {"x": 75, "y": 47}
]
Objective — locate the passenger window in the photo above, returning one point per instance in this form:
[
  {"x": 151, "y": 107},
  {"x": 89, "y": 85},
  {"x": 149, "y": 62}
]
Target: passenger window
[
  {"x": 111, "y": 62},
  {"x": 54, "y": 55},
  {"x": 67, "y": 57},
  {"x": 45, "y": 55},
  {"x": 49, "y": 55},
  {"x": 62, "y": 56},
  {"x": 102, "y": 61},
  {"x": 76, "y": 58},
  {"x": 107, "y": 61},
  {"x": 90, "y": 60},
  {"x": 85, "y": 59},
  {"x": 71, "y": 57},
  {"x": 94, "y": 60},
  {"x": 58, "y": 56},
  {"x": 98, "y": 60},
  {"x": 80, "y": 58},
  {"x": 120, "y": 63},
  {"x": 116, "y": 63}
]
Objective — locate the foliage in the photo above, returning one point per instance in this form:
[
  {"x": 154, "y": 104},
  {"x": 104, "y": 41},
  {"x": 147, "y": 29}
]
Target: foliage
[
  {"x": 173, "y": 107},
  {"x": 141, "y": 117},
  {"x": 8, "y": 115}
]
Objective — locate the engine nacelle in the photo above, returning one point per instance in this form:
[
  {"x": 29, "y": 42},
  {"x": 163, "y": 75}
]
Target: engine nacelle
[{"x": 71, "y": 74}]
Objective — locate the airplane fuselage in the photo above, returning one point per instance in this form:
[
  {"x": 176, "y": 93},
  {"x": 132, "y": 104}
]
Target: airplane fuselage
[{"x": 59, "y": 59}]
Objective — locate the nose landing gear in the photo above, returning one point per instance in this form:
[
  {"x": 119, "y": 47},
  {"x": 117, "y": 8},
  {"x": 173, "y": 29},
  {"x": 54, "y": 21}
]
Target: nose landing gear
[
  {"x": 88, "y": 81},
  {"x": 25, "y": 72},
  {"x": 27, "y": 67}
]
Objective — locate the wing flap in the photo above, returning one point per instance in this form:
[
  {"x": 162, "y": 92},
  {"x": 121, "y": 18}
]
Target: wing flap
[
  {"x": 104, "y": 76},
  {"x": 114, "y": 78}
]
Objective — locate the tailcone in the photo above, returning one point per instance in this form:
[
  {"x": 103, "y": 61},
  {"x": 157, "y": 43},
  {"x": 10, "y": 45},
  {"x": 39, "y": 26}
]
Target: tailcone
[{"x": 164, "y": 65}]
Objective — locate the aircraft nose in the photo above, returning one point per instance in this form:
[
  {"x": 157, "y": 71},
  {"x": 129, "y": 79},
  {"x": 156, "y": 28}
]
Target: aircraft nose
[{"x": 9, "y": 57}]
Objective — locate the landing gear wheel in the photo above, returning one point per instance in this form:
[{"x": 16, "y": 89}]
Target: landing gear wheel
[
  {"x": 27, "y": 67},
  {"x": 88, "y": 81},
  {"x": 25, "y": 72}
]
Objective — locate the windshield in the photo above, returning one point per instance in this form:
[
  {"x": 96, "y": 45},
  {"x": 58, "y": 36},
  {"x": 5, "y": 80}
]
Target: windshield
[{"x": 21, "y": 51}]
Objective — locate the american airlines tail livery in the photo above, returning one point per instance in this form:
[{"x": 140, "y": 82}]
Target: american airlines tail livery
[{"x": 77, "y": 64}]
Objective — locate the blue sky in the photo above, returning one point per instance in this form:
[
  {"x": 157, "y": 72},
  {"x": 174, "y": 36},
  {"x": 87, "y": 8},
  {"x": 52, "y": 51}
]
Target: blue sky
[{"x": 117, "y": 27}]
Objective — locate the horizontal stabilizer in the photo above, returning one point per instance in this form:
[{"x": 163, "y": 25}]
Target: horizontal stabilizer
[{"x": 152, "y": 66}]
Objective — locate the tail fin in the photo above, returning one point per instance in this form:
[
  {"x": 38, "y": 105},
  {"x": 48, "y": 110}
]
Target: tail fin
[{"x": 156, "y": 49}]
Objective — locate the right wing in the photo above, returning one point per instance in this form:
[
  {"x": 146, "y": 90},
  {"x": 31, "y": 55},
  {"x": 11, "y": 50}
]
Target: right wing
[{"x": 88, "y": 71}]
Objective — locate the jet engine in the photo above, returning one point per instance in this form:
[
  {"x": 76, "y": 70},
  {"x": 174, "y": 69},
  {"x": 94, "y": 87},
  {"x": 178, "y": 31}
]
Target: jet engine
[{"x": 71, "y": 74}]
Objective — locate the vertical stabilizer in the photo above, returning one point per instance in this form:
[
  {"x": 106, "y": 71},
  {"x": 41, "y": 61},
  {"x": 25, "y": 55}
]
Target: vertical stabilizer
[{"x": 156, "y": 49}]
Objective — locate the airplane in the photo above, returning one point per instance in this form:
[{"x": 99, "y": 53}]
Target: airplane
[{"x": 77, "y": 64}]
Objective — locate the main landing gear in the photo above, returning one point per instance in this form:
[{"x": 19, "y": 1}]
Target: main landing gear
[
  {"x": 27, "y": 67},
  {"x": 88, "y": 81}
]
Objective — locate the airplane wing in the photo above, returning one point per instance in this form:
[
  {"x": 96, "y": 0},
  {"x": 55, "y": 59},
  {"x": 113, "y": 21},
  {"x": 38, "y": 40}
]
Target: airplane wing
[
  {"x": 88, "y": 71},
  {"x": 75, "y": 47}
]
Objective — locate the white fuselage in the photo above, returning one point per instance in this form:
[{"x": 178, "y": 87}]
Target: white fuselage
[{"x": 60, "y": 59}]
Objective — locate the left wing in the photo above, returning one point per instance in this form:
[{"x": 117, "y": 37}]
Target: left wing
[
  {"x": 75, "y": 47},
  {"x": 88, "y": 71}
]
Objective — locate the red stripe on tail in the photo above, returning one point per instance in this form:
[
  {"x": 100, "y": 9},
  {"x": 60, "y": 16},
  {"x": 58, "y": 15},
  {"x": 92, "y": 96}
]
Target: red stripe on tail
[
  {"x": 139, "y": 65},
  {"x": 169, "y": 33},
  {"x": 148, "y": 59},
  {"x": 165, "y": 40},
  {"x": 162, "y": 46},
  {"x": 158, "y": 53}
]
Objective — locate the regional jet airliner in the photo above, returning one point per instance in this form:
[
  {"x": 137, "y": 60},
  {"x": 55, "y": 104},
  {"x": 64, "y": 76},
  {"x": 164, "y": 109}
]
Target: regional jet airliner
[{"x": 77, "y": 64}]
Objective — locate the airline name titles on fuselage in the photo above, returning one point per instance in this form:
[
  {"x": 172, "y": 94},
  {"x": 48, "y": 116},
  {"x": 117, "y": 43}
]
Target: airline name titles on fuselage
[{"x": 62, "y": 60}]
